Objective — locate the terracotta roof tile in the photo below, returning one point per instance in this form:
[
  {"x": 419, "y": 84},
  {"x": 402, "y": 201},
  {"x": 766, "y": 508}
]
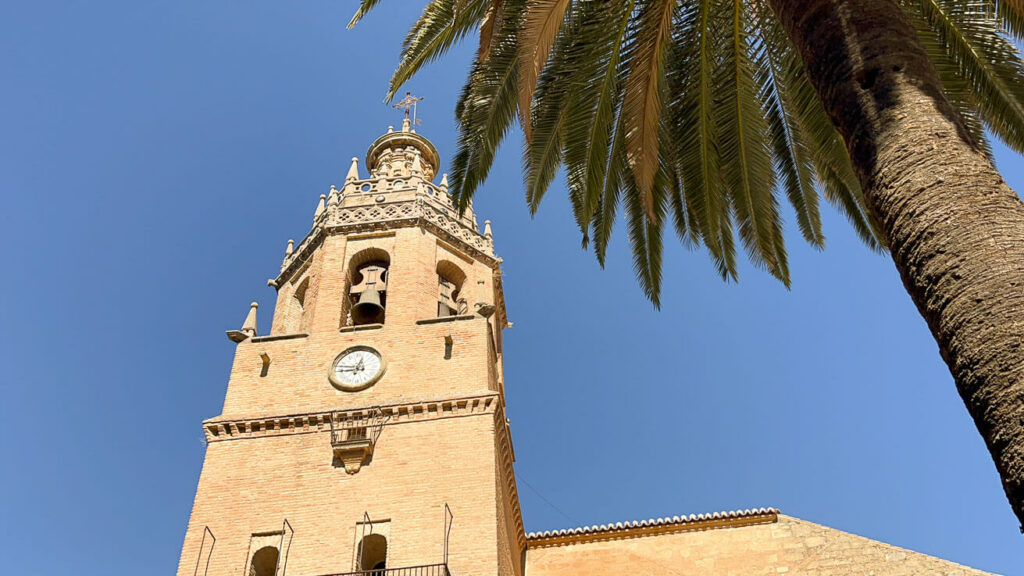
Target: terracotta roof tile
[{"x": 653, "y": 522}]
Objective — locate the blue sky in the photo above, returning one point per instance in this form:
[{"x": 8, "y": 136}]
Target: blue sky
[{"x": 155, "y": 157}]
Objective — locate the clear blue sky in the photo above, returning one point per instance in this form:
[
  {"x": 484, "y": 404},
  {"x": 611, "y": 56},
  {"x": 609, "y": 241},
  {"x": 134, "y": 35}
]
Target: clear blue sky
[{"x": 155, "y": 157}]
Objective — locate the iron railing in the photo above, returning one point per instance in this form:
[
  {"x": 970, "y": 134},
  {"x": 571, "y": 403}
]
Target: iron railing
[
  {"x": 343, "y": 435},
  {"x": 425, "y": 570}
]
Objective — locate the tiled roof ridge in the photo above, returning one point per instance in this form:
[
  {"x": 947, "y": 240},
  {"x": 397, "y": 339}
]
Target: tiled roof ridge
[{"x": 654, "y": 522}]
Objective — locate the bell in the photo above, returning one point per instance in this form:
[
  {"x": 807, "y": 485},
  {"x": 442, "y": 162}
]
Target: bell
[{"x": 368, "y": 309}]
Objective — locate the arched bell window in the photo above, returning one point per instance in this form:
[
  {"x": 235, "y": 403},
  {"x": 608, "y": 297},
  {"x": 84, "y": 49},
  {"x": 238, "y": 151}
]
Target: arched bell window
[
  {"x": 367, "y": 293},
  {"x": 264, "y": 562},
  {"x": 450, "y": 299}
]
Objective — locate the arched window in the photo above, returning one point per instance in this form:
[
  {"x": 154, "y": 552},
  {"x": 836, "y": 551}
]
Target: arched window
[
  {"x": 264, "y": 562},
  {"x": 367, "y": 292},
  {"x": 450, "y": 300},
  {"x": 373, "y": 553}
]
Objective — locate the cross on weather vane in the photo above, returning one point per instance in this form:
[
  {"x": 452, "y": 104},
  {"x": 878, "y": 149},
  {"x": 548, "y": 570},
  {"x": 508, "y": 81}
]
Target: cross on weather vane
[{"x": 407, "y": 103}]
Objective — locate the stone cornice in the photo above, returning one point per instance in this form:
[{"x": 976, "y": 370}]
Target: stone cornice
[
  {"x": 508, "y": 457},
  {"x": 653, "y": 527},
  {"x": 418, "y": 209},
  {"x": 221, "y": 429}
]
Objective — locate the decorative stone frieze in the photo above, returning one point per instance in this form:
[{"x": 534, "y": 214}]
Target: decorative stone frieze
[
  {"x": 313, "y": 422},
  {"x": 386, "y": 204}
]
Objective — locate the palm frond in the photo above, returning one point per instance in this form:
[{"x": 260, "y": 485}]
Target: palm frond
[
  {"x": 742, "y": 137},
  {"x": 442, "y": 25},
  {"x": 605, "y": 212},
  {"x": 542, "y": 154},
  {"x": 791, "y": 158},
  {"x": 669, "y": 179},
  {"x": 1012, "y": 14},
  {"x": 643, "y": 94},
  {"x": 833, "y": 172},
  {"x": 491, "y": 21},
  {"x": 486, "y": 110},
  {"x": 990, "y": 63},
  {"x": 364, "y": 8},
  {"x": 694, "y": 132},
  {"x": 540, "y": 25},
  {"x": 956, "y": 87},
  {"x": 645, "y": 234},
  {"x": 591, "y": 105}
]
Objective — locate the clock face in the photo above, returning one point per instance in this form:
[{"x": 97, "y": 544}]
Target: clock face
[{"x": 357, "y": 368}]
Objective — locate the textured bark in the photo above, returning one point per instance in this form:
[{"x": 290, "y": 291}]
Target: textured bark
[{"x": 955, "y": 229}]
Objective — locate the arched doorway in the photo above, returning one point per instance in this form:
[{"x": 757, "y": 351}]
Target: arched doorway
[{"x": 264, "y": 562}]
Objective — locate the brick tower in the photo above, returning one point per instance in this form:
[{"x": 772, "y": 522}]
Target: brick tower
[{"x": 366, "y": 432}]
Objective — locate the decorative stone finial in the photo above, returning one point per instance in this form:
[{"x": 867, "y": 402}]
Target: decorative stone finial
[
  {"x": 333, "y": 197},
  {"x": 444, "y": 182},
  {"x": 319, "y": 207},
  {"x": 353, "y": 171},
  {"x": 487, "y": 228},
  {"x": 417, "y": 167},
  {"x": 391, "y": 129},
  {"x": 406, "y": 123},
  {"x": 249, "y": 326},
  {"x": 291, "y": 247}
]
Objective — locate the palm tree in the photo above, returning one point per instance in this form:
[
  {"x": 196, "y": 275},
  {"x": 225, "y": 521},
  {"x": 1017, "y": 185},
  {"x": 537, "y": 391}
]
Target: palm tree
[{"x": 707, "y": 112}]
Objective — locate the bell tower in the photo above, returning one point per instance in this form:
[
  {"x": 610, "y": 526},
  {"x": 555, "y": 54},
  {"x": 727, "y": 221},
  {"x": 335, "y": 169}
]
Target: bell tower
[{"x": 366, "y": 433}]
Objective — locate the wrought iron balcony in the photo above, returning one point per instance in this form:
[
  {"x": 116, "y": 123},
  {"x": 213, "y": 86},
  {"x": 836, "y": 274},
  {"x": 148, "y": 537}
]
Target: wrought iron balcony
[
  {"x": 353, "y": 439},
  {"x": 425, "y": 570}
]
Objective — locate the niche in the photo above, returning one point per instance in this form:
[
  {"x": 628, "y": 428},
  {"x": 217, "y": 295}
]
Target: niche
[
  {"x": 264, "y": 562},
  {"x": 299, "y": 306},
  {"x": 373, "y": 554}
]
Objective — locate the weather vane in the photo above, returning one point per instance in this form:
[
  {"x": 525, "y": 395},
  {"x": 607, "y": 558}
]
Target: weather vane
[{"x": 407, "y": 103}]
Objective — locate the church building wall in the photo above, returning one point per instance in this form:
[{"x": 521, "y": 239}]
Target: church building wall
[{"x": 783, "y": 545}]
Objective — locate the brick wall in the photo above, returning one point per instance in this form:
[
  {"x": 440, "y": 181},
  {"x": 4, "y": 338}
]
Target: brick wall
[{"x": 251, "y": 485}]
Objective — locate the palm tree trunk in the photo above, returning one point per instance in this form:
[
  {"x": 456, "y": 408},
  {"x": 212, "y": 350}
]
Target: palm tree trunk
[{"x": 954, "y": 228}]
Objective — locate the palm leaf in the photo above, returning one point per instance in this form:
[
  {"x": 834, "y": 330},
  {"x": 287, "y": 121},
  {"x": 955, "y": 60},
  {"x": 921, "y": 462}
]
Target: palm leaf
[
  {"x": 1012, "y": 14},
  {"x": 491, "y": 20},
  {"x": 643, "y": 225},
  {"x": 832, "y": 169},
  {"x": 695, "y": 134},
  {"x": 956, "y": 87},
  {"x": 442, "y": 25},
  {"x": 486, "y": 110},
  {"x": 540, "y": 25},
  {"x": 742, "y": 137},
  {"x": 364, "y": 8},
  {"x": 990, "y": 63},
  {"x": 542, "y": 154},
  {"x": 591, "y": 105},
  {"x": 643, "y": 94},
  {"x": 604, "y": 214},
  {"x": 670, "y": 181},
  {"x": 791, "y": 158}
]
